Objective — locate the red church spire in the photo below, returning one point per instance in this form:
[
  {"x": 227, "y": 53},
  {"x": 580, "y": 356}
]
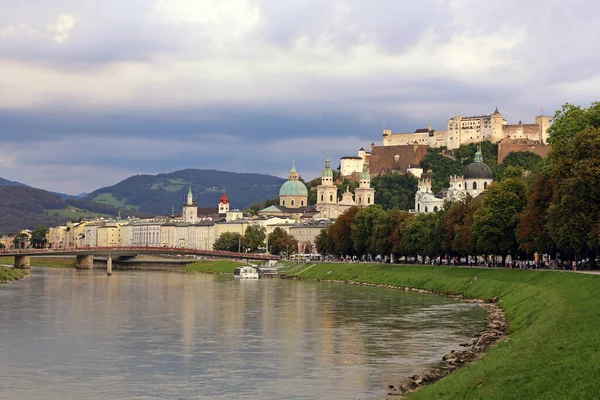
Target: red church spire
[{"x": 224, "y": 199}]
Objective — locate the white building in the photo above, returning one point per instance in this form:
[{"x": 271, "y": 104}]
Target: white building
[{"x": 477, "y": 177}]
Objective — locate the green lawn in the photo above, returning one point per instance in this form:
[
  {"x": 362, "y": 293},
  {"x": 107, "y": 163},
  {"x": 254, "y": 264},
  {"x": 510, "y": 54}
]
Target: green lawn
[
  {"x": 553, "y": 348},
  {"x": 68, "y": 262},
  {"x": 7, "y": 274},
  {"x": 215, "y": 266}
]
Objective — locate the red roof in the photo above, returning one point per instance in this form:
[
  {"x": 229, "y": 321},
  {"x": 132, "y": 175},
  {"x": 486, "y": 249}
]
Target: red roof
[{"x": 224, "y": 199}]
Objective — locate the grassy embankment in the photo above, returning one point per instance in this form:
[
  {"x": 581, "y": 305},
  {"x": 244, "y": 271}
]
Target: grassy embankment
[
  {"x": 7, "y": 274},
  {"x": 553, "y": 348},
  {"x": 60, "y": 262},
  {"x": 213, "y": 266}
]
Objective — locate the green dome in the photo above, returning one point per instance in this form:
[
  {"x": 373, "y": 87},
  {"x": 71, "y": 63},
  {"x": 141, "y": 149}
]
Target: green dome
[{"x": 293, "y": 188}]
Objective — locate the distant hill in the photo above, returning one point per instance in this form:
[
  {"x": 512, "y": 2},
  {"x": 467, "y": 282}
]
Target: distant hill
[
  {"x": 159, "y": 194},
  {"x": 23, "y": 207},
  {"x": 6, "y": 182}
]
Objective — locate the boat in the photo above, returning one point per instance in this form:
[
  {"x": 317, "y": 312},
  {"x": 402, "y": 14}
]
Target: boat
[{"x": 245, "y": 272}]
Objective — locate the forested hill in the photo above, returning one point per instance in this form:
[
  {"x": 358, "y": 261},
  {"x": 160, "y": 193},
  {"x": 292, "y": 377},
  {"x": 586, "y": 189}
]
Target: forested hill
[
  {"x": 23, "y": 207},
  {"x": 159, "y": 194}
]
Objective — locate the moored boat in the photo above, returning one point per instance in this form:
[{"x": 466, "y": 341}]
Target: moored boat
[{"x": 245, "y": 272}]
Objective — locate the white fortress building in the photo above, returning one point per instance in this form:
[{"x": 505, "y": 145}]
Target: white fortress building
[
  {"x": 477, "y": 178},
  {"x": 460, "y": 130}
]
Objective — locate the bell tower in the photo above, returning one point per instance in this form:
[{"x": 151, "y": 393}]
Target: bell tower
[{"x": 364, "y": 194}]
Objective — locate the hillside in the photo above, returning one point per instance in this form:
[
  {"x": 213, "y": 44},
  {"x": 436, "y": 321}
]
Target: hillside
[
  {"x": 23, "y": 207},
  {"x": 158, "y": 194}
]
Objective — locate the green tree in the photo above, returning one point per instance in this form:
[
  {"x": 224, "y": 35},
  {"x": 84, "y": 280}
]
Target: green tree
[
  {"x": 254, "y": 208},
  {"x": 457, "y": 237},
  {"x": 280, "y": 241},
  {"x": 38, "y": 236},
  {"x": 20, "y": 240},
  {"x": 229, "y": 241},
  {"x": 395, "y": 190},
  {"x": 574, "y": 212},
  {"x": 254, "y": 237},
  {"x": 364, "y": 226},
  {"x": 513, "y": 172},
  {"x": 341, "y": 232},
  {"x": 422, "y": 235},
  {"x": 324, "y": 241},
  {"x": 526, "y": 160},
  {"x": 570, "y": 120},
  {"x": 495, "y": 222}
]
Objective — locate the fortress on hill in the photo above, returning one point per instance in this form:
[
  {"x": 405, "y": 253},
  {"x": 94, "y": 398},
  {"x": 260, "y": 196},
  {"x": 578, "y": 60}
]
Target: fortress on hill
[{"x": 402, "y": 151}]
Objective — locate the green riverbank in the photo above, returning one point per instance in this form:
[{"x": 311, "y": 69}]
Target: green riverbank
[
  {"x": 8, "y": 274},
  {"x": 213, "y": 266},
  {"x": 553, "y": 348}
]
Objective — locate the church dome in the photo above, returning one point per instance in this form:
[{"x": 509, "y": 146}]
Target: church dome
[
  {"x": 478, "y": 169},
  {"x": 293, "y": 188}
]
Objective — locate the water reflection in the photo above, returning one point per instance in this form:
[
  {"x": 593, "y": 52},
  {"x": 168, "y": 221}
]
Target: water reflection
[{"x": 141, "y": 335}]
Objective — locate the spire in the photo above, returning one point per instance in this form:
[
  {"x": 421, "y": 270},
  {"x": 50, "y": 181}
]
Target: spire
[
  {"x": 478, "y": 154},
  {"x": 327, "y": 170},
  {"x": 190, "y": 196},
  {"x": 224, "y": 199},
  {"x": 293, "y": 176},
  {"x": 364, "y": 175},
  {"x": 293, "y": 166},
  {"x": 496, "y": 112}
]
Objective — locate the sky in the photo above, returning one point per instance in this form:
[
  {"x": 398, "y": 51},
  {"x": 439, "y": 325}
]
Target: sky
[{"x": 94, "y": 92}]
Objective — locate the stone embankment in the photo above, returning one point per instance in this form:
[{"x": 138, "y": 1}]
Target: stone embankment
[{"x": 495, "y": 330}]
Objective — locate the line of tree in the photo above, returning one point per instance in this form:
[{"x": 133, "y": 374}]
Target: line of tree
[
  {"x": 255, "y": 239},
  {"x": 554, "y": 210}
]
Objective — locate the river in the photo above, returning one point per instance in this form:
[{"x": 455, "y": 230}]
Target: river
[{"x": 75, "y": 334}]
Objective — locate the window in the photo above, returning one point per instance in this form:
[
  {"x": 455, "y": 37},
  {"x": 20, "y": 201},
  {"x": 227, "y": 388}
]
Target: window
[
  {"x": 283, "y": 202},
  {"x": 321, "y": 197},
  {"x": 484, "y": 185},
  {"x": 474, "y": 185},
  {"x": 292, "y": 202},
  {"x": 425, "y": 209},
  {"x": 330, "y": 197},
  {"x": 418, "y": 207},
  {"x": 435, "y": 209},
  {"x": 368, "y": 200},
  {"x": 301, "y": 202}
]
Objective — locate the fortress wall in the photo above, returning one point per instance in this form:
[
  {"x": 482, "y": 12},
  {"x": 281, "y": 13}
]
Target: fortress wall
[
  {"x": 504, "y": 149},
  {"x": 396, "y": 139},
  {"x": 383, "y": 158}
]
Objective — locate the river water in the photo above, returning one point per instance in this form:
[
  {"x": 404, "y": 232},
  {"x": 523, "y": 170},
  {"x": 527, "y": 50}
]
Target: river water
[{"x": 71, "y": 334}]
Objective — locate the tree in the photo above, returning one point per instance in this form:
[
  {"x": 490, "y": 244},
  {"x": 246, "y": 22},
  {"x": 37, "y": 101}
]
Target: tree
[
  {"x": 513, "y": 172},
  {"x": 495, "y": 222},
  {"x": 254, "y": 237},
  {"x": 527, "y": 160},
  {"x": 324, "y": 241},
  {"x": 422, "y": 235},
  {"x": 574, "y": 212},
  {"x": 254, "y": 208},
  {"x": 395, "y": 190},
  {"x": 398, "y": 220},
  {"x": 341, "y": 232},
  {"x": 533, "y": 234},
  {"x": 570, "y": 120},
  {"x": 280, "y": 241},
  {"x": 457, "y": 237},
  {"x": 38, "y": 236},
  {"x": 364, "y": 226},
  {"x": 20, "y": 240},
  {"x": 229, "y": 241}
]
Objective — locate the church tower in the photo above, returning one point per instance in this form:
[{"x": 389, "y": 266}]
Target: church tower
[
  {"x": 326, "y": 191},
  {"x": 364, "y": 194},
  {"x": 190, "y": 208},
  {"x": 223, "y": 203}
]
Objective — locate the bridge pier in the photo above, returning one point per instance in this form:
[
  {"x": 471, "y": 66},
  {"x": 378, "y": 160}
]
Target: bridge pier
[
  {"x": 84, "y": 262},
  {"x": 23, "y": 262},
  {"x": 109, "y": 266}
]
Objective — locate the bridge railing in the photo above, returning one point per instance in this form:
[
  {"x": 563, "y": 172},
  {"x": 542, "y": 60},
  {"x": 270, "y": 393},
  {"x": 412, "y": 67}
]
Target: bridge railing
[{"x": 141, "y": 249}]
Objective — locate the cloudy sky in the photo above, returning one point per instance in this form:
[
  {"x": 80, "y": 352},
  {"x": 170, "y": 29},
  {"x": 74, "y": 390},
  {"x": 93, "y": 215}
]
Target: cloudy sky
[{"x": 93, "y": 92}]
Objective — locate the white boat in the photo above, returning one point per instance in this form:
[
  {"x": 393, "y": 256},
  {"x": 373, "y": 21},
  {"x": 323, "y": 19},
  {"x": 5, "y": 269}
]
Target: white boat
[{"x": 245, "y": 272}]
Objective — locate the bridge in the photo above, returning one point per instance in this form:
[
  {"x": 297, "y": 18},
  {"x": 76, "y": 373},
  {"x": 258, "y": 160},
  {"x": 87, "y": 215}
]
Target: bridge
[{"x": 85, "y": 255}]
